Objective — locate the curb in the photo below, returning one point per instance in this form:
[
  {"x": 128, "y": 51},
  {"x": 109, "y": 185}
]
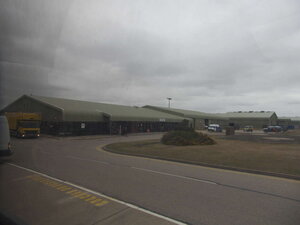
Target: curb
[{"x": 259, "y": 172}]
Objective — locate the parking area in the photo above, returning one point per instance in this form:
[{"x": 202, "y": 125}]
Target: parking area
[{"x": 287, "y": 137}]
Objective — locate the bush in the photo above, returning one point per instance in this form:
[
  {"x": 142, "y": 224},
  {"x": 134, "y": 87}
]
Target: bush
[{"x": 186, "y": 137}]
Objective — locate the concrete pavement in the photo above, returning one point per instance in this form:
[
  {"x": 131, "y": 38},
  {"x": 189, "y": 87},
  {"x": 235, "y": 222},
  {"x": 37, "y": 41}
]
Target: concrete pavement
[
  {"x": 192, "y": 194},
  {"x": 32, "y": 198}
]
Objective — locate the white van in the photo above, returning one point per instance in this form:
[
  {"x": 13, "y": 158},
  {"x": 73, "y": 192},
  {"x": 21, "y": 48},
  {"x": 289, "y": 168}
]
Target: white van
[
  {"x": 214, "y": 128},
  {"x": 5, "y": 148}
]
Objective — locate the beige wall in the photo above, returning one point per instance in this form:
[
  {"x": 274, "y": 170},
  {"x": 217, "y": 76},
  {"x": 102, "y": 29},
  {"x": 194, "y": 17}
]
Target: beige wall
[{"x": 199, "y": 124}]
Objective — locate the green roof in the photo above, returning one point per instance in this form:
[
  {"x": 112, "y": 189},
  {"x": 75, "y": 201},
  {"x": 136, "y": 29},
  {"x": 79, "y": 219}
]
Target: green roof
[
  {"x": 76, "y": 110},
  {"x": 283, "y": 118},
  {"x": 295, "y": 118},
  {"x": 291, "y": 118},
  {"x": 187, "y": 113},
  {"x": 250, "y": 114}
]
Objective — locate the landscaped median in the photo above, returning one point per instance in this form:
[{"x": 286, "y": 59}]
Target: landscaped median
[{"x": 263, "y": 158}]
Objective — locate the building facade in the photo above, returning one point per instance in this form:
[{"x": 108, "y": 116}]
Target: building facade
[
  {"x": 257, "y": 119},
  {"x": 199, "y": 119},
  {"x": 73, "y": 117}
]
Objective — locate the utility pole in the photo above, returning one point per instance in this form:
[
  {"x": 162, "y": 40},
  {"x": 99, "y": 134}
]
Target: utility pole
[{"x": 169, "y": 99}]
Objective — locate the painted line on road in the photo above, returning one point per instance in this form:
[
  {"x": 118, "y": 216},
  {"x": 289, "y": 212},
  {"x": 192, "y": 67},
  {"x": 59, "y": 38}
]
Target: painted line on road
[
  {"x": 89, "y": 160},
  {"x": 174, "y": 175},
  {"x": 220, "y": 184},
  {"x": 147, "y": 170},
  {"x": 99, "y": 148},
  {"x": 102, "y": 195}
]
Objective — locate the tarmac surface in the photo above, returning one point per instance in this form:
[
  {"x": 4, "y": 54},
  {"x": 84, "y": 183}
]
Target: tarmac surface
[{"x": 86, "y": 185}]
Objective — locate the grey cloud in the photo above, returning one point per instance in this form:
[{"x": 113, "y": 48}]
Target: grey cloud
[
  {"x": 18, "y": 79},
  {"x": 208, "y": 56}
]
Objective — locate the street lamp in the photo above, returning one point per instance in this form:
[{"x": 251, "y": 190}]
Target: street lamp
[{"x": 169, "y": 99}]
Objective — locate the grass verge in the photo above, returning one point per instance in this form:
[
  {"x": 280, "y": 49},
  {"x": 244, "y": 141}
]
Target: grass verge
[{"x": 273, "y": 158}]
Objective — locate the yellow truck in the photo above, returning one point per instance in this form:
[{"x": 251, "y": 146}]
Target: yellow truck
[{"x": 24, "y": 124}]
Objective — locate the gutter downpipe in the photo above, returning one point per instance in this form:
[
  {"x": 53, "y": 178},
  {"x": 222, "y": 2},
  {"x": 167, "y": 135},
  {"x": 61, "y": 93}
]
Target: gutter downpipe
[{"x": 109, "y": 116}]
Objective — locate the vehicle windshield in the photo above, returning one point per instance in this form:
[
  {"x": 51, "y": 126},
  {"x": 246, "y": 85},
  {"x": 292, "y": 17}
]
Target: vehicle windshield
[
  {"x": 150, "y": 112},
  {"x": 29, "y": 124}
]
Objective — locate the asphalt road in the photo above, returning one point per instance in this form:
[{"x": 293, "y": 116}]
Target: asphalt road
[{"x": 191, "y": 194}]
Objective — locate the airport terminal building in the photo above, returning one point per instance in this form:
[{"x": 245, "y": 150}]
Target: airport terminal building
[
  {"x": 73, "y": 117},
  {"x": 257, "y": 119},
  {"x": 199, "y": 119},
  {"x": 290, "y": 122}
]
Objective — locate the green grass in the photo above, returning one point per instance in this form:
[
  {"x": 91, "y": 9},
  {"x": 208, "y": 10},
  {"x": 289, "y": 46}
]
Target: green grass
[{"x": 277, "y": 158}]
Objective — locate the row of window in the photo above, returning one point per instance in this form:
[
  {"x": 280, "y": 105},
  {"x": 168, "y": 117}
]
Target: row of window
[{"x": 85, "y": 128}]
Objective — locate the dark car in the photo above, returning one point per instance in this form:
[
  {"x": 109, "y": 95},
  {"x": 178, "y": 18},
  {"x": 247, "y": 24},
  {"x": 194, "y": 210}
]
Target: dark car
[
  {"x": 248, "y": 129},
  {"x": 272, "y": 129}
]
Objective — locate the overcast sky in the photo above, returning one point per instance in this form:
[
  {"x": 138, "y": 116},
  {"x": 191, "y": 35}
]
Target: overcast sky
[{"x": 211, "y": 56}]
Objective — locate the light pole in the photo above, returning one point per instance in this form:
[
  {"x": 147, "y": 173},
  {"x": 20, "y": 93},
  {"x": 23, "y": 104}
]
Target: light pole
[{"x": 169, "y": 99}]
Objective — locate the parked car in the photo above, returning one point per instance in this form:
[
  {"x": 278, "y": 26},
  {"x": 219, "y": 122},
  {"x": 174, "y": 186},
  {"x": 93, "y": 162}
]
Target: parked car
[
  {"x": 248, "y": 129},
  {"x": 273, "y": 129},
  {"x": 5, "y": 147},
  {"x": 214, "y": 128}
]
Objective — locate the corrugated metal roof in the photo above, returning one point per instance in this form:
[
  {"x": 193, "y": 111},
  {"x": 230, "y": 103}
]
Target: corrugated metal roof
[
  {"x": 76, "y": 110},
  {"x": 250, "y": 114},
  {"x": 187, "y": 113},
  {"x": 284, "y": 119},
  {"x": 291, "y": 118},
  {"x": 295, "y": 118}
]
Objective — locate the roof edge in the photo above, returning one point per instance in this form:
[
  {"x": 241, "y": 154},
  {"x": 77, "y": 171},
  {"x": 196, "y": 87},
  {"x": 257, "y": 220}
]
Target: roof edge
[
  {"x": 44, "y": 103},
  {"x": 2, "y": 110},
  {"x": 157, "y": 108},
  {"x": 32, "y": 98}
]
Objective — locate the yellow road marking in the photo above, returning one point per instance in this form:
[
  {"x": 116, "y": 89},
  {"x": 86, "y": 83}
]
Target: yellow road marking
[
  {"x": 72, "y": 191},
  {"x": 101, "y": 203},
  {"x": 78, "y": 194},
  {"x": 69, "y": 190},
  {"x": 91, "y": 198},
  {"x": 84, "y": 196},
  {"x": 96, "y": 200},
  {"x": 131, "y": 206},
  {"x": 55, "y": 185},
  {"x": 65, "y": 188},
  {"x": 60, "y": 187}
]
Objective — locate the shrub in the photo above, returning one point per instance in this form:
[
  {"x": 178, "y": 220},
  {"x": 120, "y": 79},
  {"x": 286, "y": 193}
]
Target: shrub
[{"x": 186, "y": 137}]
